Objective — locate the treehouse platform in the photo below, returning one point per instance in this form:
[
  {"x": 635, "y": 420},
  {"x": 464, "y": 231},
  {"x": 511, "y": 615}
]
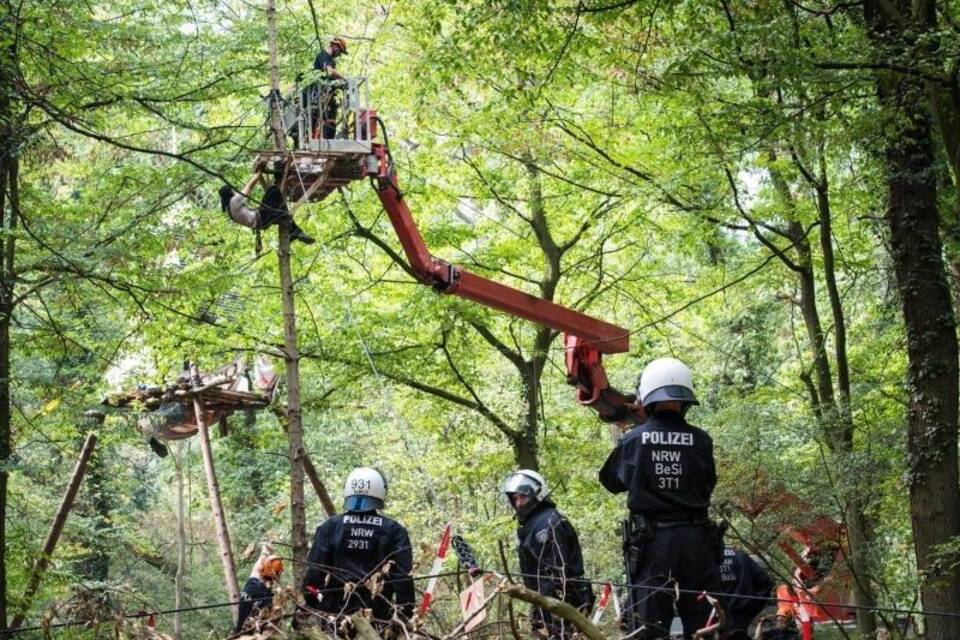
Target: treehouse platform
[
  {"x": 312, "y": 175},
  {"x": 169, "y": 410}
]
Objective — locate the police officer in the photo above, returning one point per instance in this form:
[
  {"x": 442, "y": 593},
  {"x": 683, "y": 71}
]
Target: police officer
[
  {"x": 550, "y": 558},
  {"x": 667, "y": 468},
  {"x": 748, "y": 587},
  {"x": 363, "y": 548}
]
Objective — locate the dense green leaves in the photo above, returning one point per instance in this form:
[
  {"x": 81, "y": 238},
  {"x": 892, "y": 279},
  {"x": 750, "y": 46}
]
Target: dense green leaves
[{"x": 660, "y": 165}]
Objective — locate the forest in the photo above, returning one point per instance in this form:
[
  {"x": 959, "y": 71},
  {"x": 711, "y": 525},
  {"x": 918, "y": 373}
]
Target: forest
[{"x": 766, "y": 190}]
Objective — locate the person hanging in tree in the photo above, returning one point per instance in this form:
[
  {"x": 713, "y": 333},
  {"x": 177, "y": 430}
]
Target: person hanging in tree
[{"x": 273, "y": 208}]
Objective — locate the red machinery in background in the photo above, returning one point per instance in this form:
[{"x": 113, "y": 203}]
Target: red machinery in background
[
  {"x": 820, "y": 586},
  {"x": 320, "y": 165}
]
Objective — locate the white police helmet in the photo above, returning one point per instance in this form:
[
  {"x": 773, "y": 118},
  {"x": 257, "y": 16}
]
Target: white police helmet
[
  {"x": 666, "y": 380},
  {"x": 526, "y": 482},
  {"x": 364, "y": 490}
]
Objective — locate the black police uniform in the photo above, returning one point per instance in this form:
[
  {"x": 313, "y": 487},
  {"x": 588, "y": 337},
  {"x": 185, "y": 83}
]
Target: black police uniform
[
  {"x": 667, "y": 468},
  {"x": 552, "y": 564},
  {"x": 740, "y": 576},
  {"x": 351, "y": 547},
  {"x": 325, "y": 95},
  {"x": 256, "y": 596}
]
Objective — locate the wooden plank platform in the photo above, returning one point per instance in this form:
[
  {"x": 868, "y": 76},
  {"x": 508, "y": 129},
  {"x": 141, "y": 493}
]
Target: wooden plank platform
[
  {"x": 169, "y": 410},
  {"x": 313, "y": 175}
]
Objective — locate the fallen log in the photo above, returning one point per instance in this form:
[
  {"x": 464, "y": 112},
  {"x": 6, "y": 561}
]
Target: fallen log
[{"x": 558, "y": 608}]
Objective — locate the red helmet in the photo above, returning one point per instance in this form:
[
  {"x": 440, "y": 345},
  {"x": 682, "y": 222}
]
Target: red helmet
[{"x": 271, "y": 568}]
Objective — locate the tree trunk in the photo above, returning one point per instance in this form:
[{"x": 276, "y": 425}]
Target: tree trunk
[
  {"x": 526, "y": 451},
  {"x": 836, "y": 305},
  {"x": 945, "y": 104},
  {"x": 932, "y": 373},
  {"x": 98, "y": 505},
  {"x": 8, "y": 194},
  {"x": 531, "y": 371},
  {"x": 860, "y": 541},
  {"x": 298, "y": 517},
  {"x": 216, "y": 506},
  {"x": 10, "y": 141},
  {"x": 53, "y": 537},
  {"x": 831, "y": 409},
  {"x": 5, "y": 443},
  {"x": 932, "y": 370},
  {"x": 181, "y": 545}
]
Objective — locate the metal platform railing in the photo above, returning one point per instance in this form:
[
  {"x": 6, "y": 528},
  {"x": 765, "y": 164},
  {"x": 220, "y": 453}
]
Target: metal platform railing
[{"x": 326, "y": 115}]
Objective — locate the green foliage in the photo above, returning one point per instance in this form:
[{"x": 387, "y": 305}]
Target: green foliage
[{"x": 668, "y": 146}]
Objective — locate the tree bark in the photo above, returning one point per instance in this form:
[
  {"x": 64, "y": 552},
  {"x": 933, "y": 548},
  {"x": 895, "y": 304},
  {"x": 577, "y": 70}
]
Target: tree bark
[
  {"x": 97, "y": 506},
  {"x": 559, "y": 608},
  {"x": 832, "y": 409},
  {"x": 9, "y": 172},
  {"x": 181, "y": 570},
  {"x": 6, "y": 313},
  {"x": 932, "y": 373},
  {"x": 298, "y": 517},
  {"x": 43, "y": 561},
  {"x": 216, "y": 506},
  {"x": 531, "y": 371}
]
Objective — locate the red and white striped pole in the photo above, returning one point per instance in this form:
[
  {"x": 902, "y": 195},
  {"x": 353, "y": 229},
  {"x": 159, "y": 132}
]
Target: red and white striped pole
[
  {"x": 806, "y": 624},
  {"x": 435, "y": 570},
  {"x": 604, "y": 600}
]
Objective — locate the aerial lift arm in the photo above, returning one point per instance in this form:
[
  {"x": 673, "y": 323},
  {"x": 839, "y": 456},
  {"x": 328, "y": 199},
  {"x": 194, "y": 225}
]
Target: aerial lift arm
[{"x": 586, "y": 338}]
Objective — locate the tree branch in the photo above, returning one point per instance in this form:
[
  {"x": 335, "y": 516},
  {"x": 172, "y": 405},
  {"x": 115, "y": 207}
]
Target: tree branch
[
  {"x": 437, "y": 392},
  {"x": 558, "y": 608},
  {"x": 513, "y": 356}
]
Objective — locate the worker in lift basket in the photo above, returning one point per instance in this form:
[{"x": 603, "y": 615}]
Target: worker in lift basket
[
  {"x": 550, "y": 557},
  {"x": 666, "y": 466},
  {"x": 325, "y": 91},
  {"x": 365, "y": 549}
]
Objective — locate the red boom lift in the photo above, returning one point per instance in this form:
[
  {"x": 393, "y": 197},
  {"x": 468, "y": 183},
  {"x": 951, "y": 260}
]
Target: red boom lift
[{"x": 318, "y": 166}]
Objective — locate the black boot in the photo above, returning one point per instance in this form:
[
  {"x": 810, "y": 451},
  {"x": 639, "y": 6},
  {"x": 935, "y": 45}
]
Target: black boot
[{"x": 296, "y": 233}]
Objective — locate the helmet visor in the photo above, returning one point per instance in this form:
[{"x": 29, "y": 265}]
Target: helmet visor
[
  {"x": 522, "y": 484},
  {"x": 362, "y": 503},
  {"x": 670, "y": 393}
]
